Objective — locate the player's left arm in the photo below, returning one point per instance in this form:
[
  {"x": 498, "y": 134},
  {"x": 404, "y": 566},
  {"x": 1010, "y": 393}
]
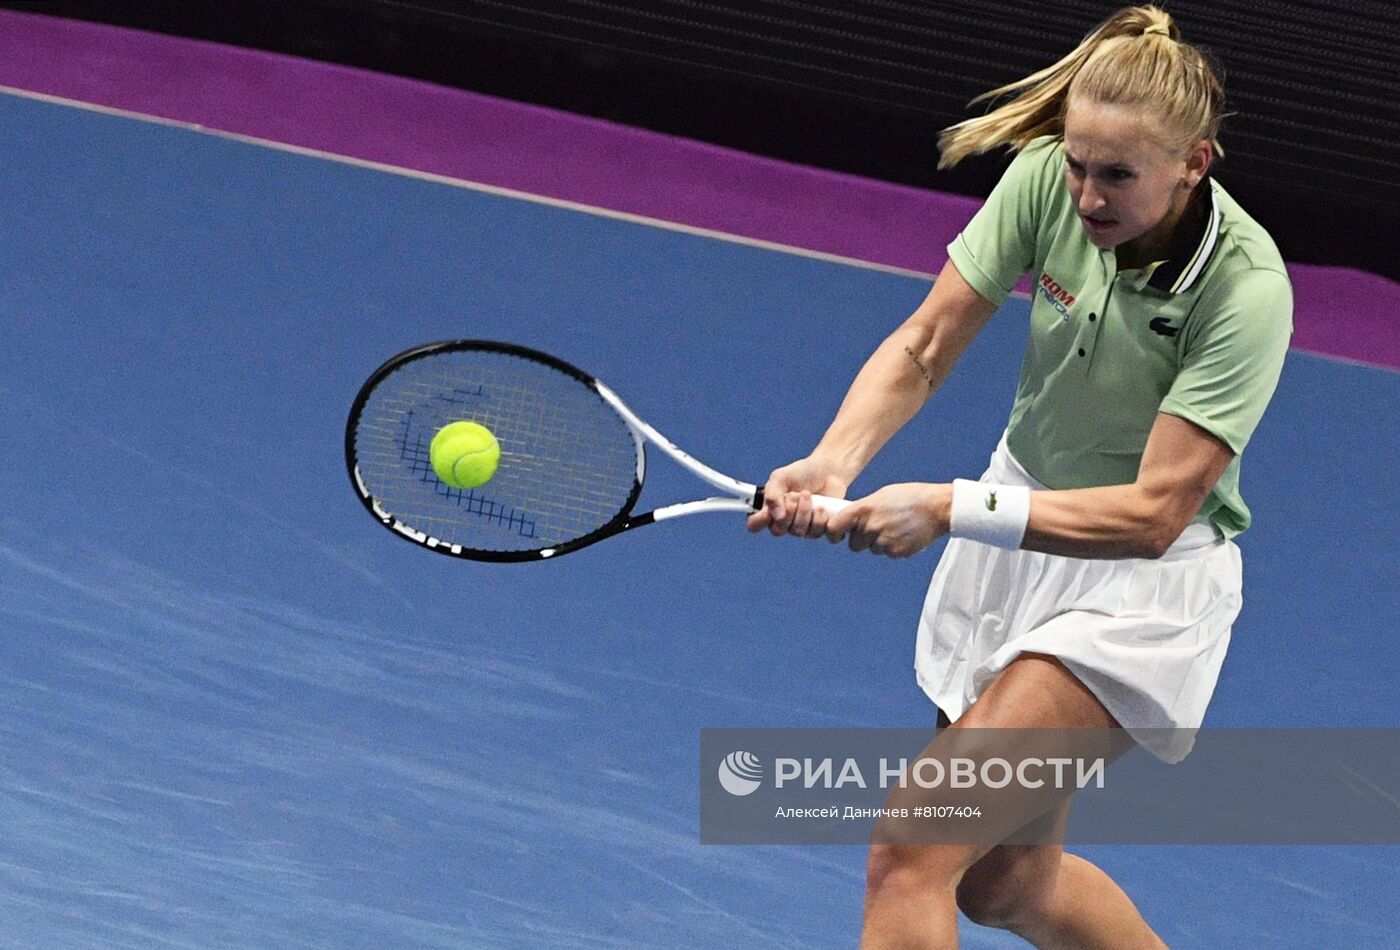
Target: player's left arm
[{"x": 1180, "y": 465}]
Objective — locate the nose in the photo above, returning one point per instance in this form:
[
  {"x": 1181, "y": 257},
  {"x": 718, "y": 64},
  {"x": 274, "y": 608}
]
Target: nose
[{"x": 1090, "y": 201}]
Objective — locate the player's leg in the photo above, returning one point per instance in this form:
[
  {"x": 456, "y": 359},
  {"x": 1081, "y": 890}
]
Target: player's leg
[
  {"x": 1050, "y": 898},
  {"x": 911, "y": 896},
  {"x": 1010, "y": 885}
]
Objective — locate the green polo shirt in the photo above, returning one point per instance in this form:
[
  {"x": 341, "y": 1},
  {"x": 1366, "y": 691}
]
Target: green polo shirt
[{"x": 1201, "y": 336}]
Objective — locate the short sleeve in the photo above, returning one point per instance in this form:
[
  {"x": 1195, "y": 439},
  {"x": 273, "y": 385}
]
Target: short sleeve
[
  {"x": 1237, "y": 340},
  {"x": 998, "y": 245}
]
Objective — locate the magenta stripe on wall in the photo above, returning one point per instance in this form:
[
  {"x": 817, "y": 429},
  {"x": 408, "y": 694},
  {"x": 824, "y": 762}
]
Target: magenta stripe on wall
[{"x": 415, "y": 125}]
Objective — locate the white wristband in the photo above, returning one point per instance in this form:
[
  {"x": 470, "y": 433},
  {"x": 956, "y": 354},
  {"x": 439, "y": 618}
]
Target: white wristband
[{"x": 991, "y": 514}]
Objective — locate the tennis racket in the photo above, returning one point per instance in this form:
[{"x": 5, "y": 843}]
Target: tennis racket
[{"x": 573, "y": 455}]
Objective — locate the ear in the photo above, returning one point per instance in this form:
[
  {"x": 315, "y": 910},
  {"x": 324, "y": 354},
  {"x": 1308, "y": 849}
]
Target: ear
[{"x": 1198, "y": 163}]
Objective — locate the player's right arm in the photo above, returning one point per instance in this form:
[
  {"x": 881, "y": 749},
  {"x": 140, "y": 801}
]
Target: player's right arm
[{"x": 889, "y": 390}]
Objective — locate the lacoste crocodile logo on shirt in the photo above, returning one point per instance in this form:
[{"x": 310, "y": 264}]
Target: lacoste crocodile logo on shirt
[{"x": 1160, "y": 325}]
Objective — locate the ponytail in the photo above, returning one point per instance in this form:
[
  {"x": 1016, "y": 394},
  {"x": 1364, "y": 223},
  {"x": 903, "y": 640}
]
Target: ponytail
[{"x": 1135, "y": 57}]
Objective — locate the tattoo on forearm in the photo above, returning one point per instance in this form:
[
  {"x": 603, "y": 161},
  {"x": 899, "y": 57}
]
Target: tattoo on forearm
[{"x": 923, "y": 370}]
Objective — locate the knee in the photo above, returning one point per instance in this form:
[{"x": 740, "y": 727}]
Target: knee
[
  {"x": 881, "y": 863},
  {"x": 890, "y": 868},
  {"x": 1007, "y": 899}
]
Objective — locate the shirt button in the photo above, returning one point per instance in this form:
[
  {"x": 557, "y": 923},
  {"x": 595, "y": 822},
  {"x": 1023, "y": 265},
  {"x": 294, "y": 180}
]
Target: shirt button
[
  {"x": 1093, "y": 317},
  {"x": 1081, "y": 351}
]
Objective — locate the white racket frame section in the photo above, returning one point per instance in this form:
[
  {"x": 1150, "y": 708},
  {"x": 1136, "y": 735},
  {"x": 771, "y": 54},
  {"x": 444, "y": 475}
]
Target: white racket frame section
[{"x": 741, "y": 495}]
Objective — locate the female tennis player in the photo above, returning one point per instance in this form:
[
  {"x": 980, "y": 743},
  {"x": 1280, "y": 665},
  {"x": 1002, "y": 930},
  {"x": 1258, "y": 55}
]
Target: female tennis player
[{"x": 1090, "y": 579}]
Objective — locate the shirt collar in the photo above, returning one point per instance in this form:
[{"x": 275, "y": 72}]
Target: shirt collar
[{"x": 1181, "y": 272}]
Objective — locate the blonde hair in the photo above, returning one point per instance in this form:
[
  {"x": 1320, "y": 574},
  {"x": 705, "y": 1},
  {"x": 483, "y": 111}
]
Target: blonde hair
[{"x": 1135, "y": 57}]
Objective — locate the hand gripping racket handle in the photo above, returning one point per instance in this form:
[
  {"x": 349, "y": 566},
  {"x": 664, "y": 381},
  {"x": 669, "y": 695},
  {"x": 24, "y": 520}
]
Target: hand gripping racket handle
[{"x": 822, "y": 503}]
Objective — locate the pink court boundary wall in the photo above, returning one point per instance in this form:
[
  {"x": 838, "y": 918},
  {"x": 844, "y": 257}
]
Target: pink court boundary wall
[{"x": 1340, "y": 312}]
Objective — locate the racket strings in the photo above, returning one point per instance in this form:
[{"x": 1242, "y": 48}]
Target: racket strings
[
  {"x": 568, "y": 461},
  {"x": 570, "y": 509}
]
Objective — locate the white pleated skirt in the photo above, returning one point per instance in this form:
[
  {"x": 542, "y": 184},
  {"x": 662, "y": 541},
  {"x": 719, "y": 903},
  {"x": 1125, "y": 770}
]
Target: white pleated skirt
[{"x": 1146, "y": 636}]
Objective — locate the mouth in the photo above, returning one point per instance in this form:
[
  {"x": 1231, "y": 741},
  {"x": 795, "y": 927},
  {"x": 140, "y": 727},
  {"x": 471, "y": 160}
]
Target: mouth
[{"x": 1096, "y": 224}]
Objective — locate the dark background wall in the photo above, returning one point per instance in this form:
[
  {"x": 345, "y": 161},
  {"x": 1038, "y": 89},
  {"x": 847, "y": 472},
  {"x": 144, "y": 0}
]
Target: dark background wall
[{"x": 1313, "y": 151}]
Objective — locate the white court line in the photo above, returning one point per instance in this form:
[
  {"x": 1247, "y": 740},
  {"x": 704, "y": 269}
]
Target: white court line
[{"x": 479, "y": 186}]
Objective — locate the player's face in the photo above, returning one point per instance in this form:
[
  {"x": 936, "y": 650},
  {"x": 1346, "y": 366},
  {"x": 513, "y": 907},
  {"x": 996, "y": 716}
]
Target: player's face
[{"x": 1125, "y": 184}]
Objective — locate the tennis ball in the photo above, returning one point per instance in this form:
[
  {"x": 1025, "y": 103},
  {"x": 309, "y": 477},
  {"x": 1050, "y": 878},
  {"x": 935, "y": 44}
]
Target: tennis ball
[{"x": 464, "y": 454}]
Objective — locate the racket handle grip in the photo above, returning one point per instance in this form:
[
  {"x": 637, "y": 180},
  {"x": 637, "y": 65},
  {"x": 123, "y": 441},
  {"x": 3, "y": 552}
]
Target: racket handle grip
[{"x": 829, "y": 505}]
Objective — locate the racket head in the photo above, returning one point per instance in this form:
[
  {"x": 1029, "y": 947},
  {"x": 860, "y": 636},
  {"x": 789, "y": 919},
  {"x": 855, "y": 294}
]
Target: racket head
[{"x": 571, "y": 467}]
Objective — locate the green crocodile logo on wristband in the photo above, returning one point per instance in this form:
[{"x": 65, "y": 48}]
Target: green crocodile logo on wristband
[{"x": 992, "y": 501}]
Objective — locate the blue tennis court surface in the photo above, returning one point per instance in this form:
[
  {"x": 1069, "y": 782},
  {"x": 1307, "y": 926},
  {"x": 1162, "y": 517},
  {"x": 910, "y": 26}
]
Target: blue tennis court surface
[{"x": 236, "y": 712}]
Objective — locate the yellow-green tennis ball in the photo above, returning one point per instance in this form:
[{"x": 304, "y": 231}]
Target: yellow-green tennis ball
[{"x": 464, "y": 454}]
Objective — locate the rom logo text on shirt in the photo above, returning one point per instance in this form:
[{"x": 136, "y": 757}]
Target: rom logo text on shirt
[{"x": 1056, "y": 295}]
